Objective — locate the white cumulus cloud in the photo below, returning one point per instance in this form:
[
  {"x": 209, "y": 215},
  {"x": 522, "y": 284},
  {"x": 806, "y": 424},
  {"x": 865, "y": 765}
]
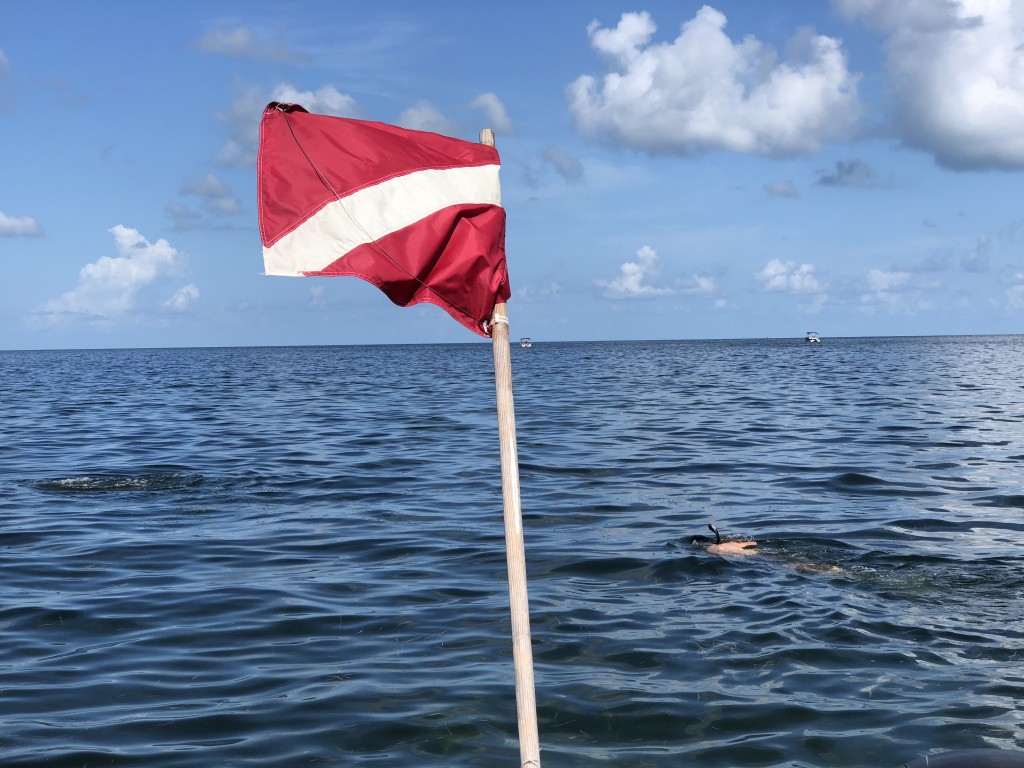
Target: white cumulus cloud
[
  {"x": 702, "y": 91},
  {"x": 244, "y": 113},
  {"x": 634, "y": 279},
  {"x": 19, "y": 226},
  {"x": 496, "y": 113},
  {"x": 779, "y": 275},
  {"x": 957, "y": 76},
  {"x": 109, "y": 287},
  {"x": 327, "y": 100},
  {"x": 424, "y": 116}
]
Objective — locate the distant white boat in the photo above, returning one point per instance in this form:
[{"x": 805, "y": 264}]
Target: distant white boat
[
  {"x": 525, "y": 343},
  {"x": 813, "y": 337}
]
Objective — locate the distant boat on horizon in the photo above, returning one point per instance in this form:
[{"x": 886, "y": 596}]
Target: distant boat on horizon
[
  {"x": 813, "y": 337},
  {"x": 525, "y": 343}
]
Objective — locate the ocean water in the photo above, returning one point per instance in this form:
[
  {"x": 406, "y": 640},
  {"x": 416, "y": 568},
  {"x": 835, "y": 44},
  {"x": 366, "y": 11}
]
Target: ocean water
[{"x": 295, "y": 556}]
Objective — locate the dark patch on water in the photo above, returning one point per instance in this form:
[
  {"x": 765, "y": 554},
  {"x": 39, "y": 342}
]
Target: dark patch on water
[
  {"x": 1000, "y": 500},
  {"x": 102, "y": 483}
]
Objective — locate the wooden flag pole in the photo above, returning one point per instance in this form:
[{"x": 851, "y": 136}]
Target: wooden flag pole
[{"x": 515, "y": 551}]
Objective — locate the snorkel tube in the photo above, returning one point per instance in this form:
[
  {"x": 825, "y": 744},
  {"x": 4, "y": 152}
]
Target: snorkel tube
[{"x": 718, "y": 536}]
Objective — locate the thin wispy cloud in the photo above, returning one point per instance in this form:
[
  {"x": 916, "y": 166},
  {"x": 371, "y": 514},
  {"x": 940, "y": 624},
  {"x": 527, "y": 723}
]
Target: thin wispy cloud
[
  {"x": 216, "y": 202},
  {"x": 242, "y": 119},
  {"x": 214, "y": 193},
  {"x": 849, "y": 173},
  {"x": 703, "y": 92},
  {"x": 1015, "y": 291},
  {"x": 318, "y": 297},
  {"x": 245, "y": 42},
  {"x": 566, "y": 166},
  {"x": 938, "y": 261},
  {"x": 880, "y": 280},
  {"x": 896, "y": 292},
  {"x": 66, "y": 91},
  {"x": 697, "y": 284},
  {"x": 978, "y": 259},
  {"x": 552, "y": 160},
  {"x": 183, "y": 298},
  {"x": 781, "y": 188},
  {"x": 538, "y": 293},
  {"x": 184, "y": 217}
]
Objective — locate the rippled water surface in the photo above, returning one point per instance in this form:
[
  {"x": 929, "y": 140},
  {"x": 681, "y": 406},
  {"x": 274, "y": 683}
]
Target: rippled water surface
[{"x": 295, "y": 556}]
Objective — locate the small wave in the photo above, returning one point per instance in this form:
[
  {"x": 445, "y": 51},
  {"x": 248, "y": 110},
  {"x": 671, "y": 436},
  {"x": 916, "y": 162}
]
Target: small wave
[
  {"x": 163, "y": 481},
  {"x": 855, "y": 479},
  {"x": 931, "y": 524},
  {"x": 604, "y": 566},
  {"x": 859, "y": 483},
  {"x": 1011, "y": 500}
]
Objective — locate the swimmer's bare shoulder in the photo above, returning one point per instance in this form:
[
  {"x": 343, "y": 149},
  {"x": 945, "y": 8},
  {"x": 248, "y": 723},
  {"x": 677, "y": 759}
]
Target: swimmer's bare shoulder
[
  {"x": 734, "y": 548},
  {"x": 745, "y": 548},
  {"x": 718, "y": 546}
]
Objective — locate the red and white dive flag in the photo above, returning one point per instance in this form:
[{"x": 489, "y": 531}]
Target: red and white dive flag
[{"x": 417, "y": 214}]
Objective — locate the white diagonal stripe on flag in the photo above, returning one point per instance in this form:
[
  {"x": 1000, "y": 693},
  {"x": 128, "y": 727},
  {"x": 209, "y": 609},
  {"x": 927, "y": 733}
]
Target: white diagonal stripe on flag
[{"x": 376, "y": 211}]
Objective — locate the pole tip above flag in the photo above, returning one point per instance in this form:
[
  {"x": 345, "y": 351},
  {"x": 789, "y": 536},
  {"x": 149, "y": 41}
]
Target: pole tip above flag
[{"x": 417, "y": 214}]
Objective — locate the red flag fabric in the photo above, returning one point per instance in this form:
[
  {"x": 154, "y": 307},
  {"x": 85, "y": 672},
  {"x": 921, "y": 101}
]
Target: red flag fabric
[{"x": 417, "y": 214}]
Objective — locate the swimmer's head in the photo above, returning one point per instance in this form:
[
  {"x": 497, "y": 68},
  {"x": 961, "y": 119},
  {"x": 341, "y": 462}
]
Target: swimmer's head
[{"x": 707, "y": 541}]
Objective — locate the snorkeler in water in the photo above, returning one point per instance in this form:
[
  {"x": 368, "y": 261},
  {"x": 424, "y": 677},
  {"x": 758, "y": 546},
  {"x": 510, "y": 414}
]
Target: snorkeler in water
[
  {"x": 720, "y": 546},
  {"x": 736, "y": 545}
]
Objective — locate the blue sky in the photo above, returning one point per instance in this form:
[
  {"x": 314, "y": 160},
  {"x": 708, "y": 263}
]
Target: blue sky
[{"x": 669, "y": 169}]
